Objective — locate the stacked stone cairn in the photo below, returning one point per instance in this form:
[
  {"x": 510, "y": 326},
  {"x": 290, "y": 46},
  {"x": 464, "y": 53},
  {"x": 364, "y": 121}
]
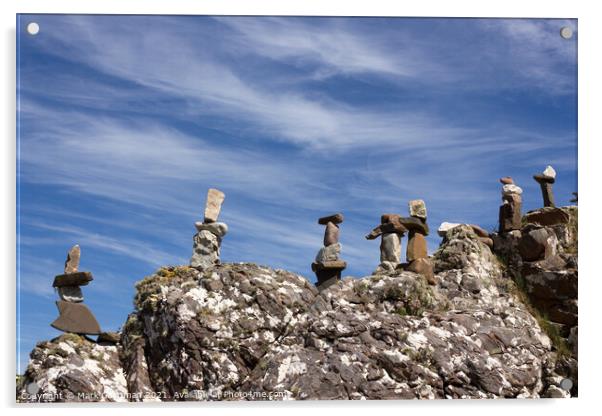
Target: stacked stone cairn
[
  {"x": 545, "y": 181},
  {"x": 74, "y": 316},
  {"x": 208, "y": 239},
  {"x": 510, "y": 211},
  {"x": 328, "y": 265},
  {"x": 391, "y": 231}
]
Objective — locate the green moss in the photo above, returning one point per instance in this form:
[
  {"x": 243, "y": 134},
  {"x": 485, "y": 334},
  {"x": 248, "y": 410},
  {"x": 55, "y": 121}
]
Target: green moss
[{"x": 148, "y": 289}]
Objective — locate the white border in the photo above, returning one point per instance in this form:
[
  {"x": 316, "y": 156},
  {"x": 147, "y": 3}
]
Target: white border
[{"x": 589, "y": 160}]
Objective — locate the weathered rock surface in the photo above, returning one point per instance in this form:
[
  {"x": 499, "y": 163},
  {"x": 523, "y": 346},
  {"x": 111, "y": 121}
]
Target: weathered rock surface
[
  {"x": 72, "y": 262},
  {"x": 330, "y": 253},
  {"x": 220, "y": 229},
  {"x": 331, "y": 234},
  {"x": 71, "y": 368},
  {"x": 390, "y": 248},
  {"x": 417, "y": 208},
  {"x": 542, "y": 258},
  {"x": 205, "y": 249},
  {"x": 213, "y": 205},
  {"x": 230, "y": 329}
]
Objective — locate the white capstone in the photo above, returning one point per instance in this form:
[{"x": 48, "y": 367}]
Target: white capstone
[
  {"x": 549, "y": 172},
  {"x": 445, "y": 227},
  {"x": 511, "y": 189}
]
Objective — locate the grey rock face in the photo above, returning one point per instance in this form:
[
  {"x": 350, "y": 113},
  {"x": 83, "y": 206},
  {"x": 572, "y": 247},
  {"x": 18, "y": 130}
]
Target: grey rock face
[
  {"x": 330, "y": 253},
  {"x": 205, "y": 250},
  {"x": 212, "y": 334},
  {"x": 72, "y": 369}
]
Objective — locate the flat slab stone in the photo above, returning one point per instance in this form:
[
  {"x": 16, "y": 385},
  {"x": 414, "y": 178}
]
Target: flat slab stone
[
  {"x": 213, "y": 206},
  {"x": 547, "y": 216},
  {"x": 329, "y": 265},
  {"x": 75, "y": 318},
  {"x": 415, "y": 224},
  {"x": 334, "y": 218},
  {"x": 72, "y": 262},
  {"x": 417, "y": 208},
  {"x": 506, "y": 180},
  {"x": 108, "y": 337},
  {"x": 73, "y": 279},
  {"x": 220, "y": 229}
]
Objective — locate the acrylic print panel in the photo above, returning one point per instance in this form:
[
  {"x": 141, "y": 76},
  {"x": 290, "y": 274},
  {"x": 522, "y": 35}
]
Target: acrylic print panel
[{"x": 270, "y": 208}]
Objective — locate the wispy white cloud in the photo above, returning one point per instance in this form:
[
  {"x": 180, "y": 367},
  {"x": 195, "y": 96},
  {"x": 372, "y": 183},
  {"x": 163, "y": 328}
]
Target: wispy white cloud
[{"x": 124, "y": 246}]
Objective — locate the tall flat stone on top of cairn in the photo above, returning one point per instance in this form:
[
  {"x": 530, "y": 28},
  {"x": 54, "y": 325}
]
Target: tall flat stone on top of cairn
[
  {"x": 213, "y": 206},
  {"x": 72, "y": 262},
  {"x": 417, "y": 209}
]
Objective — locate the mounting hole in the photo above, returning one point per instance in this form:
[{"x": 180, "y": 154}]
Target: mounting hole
[
  {"x": 33, "y": 28},
  {"x": 566, "y": 32},
  {"x": 566, "y": 384}
]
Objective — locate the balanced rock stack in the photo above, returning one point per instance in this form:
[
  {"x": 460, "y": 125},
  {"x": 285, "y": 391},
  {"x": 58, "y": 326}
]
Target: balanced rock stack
[
  {"x": 510, "y": 210},
  {"x": 74, "y": 316},
  {"x": 328, "y": 265},
  {"x": 545, "y": 181},
  {"x": 417, "y": 253},
  {"x": 208, "y": 239},
  {"x": 391, "y": 231}
]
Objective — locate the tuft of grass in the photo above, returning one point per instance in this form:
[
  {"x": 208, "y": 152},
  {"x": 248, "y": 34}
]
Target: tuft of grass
[{"x": 519, "y": 290}]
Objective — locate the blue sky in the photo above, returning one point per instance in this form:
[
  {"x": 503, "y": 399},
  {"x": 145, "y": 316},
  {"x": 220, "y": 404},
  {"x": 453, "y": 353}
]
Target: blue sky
[{"x": 125, "y": 121}]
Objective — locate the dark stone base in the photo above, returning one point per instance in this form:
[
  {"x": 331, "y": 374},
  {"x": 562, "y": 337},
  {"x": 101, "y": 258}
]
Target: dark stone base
[{"x": 328, "y": 273}]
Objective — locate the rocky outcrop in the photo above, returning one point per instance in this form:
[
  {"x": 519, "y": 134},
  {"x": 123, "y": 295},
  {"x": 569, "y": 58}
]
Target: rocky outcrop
[
  {"x": 542, "y": 258},
  {"x": 71, "y": 368},
  {"x": 249, "y": 332}
]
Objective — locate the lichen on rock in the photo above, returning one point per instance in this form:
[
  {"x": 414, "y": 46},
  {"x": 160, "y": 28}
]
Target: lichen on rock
[{"x": 247, "y": 332}]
